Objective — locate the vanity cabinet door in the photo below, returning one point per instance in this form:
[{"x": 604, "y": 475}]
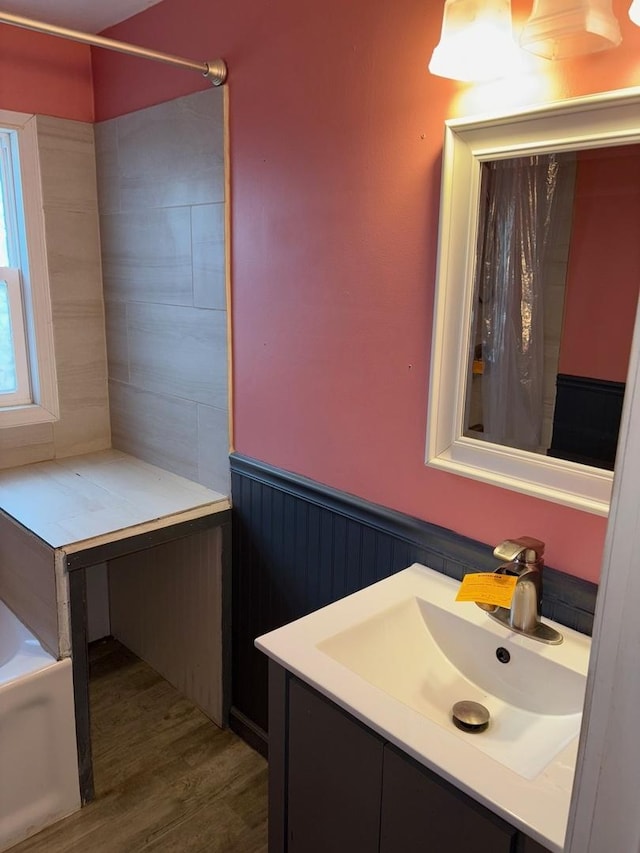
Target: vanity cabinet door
[
  {"x": 334, "y": 778},
  {"x": 422, "y": 814}
]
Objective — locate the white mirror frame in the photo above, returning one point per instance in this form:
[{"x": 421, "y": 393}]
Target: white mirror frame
[{"x": 611, "y": 118}]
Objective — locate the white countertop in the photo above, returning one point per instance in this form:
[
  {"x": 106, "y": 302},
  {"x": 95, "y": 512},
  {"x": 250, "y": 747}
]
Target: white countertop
[
  {"x": 82, "y": 501},
  {"x": 538, "y": 806}
]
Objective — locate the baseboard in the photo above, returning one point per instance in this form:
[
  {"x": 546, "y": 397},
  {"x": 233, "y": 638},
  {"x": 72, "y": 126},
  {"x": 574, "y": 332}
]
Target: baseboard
[{"x": 249, "y": 731}]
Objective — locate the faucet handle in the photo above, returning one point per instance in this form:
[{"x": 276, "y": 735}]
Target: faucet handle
[{"x": 525, "y": 549}]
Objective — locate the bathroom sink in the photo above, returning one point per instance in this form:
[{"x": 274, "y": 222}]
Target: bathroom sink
[
  {"x": 430, "y": 656},
  {"x": 399, "y": 654}
]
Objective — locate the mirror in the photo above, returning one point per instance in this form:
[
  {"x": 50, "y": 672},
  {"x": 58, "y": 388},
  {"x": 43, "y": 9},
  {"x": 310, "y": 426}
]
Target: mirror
[
  {"x": 555, "y": 293},
  {"x": 537, "y": 288}
]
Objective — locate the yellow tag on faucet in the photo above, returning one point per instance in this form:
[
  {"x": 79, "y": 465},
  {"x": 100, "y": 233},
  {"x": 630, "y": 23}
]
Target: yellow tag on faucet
[{"x": 487, "y": 588}]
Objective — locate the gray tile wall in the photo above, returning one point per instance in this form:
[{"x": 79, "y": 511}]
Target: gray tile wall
[
  {"x": 161, "y": 190},
  {"x": 67, "y": 166}
]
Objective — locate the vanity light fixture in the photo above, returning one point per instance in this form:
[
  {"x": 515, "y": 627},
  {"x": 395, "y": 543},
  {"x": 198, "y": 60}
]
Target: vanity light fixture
[
  {"x": 558, "y": 29},
  {"x": 476, "y": 42},
  {"x": 634, "y": 12}
]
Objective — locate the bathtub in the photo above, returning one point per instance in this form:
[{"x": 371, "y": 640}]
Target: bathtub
[{"x": 38, "y": 758}]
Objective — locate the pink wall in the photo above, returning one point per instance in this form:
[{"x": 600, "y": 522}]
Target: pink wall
[
  {"x": 603, "y": 275},
  {"x": 42, "y": 74},
  {"x": 335, "y": 143}
]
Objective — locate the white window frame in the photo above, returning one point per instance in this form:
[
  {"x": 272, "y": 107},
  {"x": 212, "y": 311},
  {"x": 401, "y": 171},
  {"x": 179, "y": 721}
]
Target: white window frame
[
  {"x": 32, "y": 288},
  {"x": 22, "y": 394}
]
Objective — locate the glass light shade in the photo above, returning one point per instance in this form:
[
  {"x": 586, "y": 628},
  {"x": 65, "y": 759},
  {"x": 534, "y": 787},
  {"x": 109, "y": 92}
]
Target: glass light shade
[
  {"x": 558, "y": 29},
  {"x": 634, "y": 12},
  {"x": 476, "y": 42}
]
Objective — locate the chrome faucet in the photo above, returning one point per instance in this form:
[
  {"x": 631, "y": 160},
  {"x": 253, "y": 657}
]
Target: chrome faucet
[{"x": 524, "y": 559}]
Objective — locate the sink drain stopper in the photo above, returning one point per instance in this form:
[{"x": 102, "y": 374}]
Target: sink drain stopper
[{"x": 470, "y": 716}]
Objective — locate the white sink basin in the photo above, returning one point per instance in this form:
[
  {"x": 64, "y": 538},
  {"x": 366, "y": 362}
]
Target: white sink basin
[
  {"x": 400, "y": 653},
  {"x": 430, "y": 658}
]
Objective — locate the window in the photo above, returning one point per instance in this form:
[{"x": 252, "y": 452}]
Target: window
[
  {"x": 15, "y": 383},
  {"x": 27, "y": 360}
]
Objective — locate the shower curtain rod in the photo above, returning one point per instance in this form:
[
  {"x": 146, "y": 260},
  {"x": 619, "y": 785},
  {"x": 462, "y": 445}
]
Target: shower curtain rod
[{"x": 215, "y": 70}]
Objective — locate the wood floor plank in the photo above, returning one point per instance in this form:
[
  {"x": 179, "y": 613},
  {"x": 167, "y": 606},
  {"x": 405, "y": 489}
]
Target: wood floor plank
[{"x": 167, "y": 778}]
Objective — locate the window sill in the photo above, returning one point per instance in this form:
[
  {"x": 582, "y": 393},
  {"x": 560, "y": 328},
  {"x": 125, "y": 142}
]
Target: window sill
[{"x": 16, "y": 416}]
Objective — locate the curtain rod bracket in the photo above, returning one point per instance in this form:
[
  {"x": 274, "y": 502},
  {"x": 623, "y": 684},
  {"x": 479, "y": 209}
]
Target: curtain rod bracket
[{"x": 216, "y": 71}]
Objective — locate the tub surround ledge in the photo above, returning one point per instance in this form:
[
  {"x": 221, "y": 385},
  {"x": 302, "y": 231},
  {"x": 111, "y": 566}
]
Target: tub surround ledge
[
  {"x": 63, "y": 517},
  {"x": 81, "y": 502}
]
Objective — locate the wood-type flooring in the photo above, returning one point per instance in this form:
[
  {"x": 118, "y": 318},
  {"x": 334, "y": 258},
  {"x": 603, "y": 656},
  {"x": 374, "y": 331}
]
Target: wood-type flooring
[{"x": 167, "y": 779}]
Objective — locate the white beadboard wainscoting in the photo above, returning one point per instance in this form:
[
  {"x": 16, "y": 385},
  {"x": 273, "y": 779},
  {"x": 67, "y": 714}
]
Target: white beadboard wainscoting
[{"x": 166, "y": 606}]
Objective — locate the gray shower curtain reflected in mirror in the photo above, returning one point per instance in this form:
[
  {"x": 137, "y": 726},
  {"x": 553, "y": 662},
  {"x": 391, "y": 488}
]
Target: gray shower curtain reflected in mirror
[{"x": 506, "y": 395}]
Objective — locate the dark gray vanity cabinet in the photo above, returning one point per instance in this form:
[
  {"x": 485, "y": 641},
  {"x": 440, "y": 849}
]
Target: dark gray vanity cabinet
[
  {"x": 423, "y": 814},
  {"x": 528, "y": 845},
  {"x": 334, "y": 780},
  {"x": 335, "y": 785}
]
